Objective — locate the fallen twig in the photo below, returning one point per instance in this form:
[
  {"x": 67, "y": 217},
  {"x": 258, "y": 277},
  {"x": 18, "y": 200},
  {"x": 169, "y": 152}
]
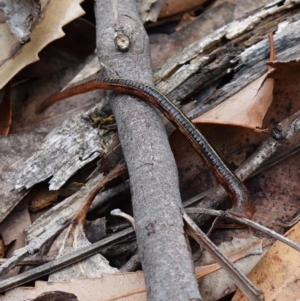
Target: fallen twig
[
  {"x": 241, "y": 280},
  {"x": 63, "y": 261},
  {"x": 246, "y": 222}
]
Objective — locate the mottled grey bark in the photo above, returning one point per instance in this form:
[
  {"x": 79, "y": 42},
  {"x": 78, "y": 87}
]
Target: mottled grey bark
[{"x": 153, "y": 175}]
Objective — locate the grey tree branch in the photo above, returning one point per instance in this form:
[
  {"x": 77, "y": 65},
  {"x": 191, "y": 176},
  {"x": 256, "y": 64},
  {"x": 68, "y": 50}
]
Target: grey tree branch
[{"x": 164, "y": 254}]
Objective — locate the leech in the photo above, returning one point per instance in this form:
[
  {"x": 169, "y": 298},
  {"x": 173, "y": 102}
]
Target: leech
[{"x": 241, "y": 201}]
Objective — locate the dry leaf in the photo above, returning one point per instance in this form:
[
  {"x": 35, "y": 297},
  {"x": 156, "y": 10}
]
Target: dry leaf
[
  {"x": 126, "y": 286},
  {"x": 173, "y": 7},
  {"x": 14, "y": 56},
  {"x": 277, "y": 274},
  {"x": 40, "y": 197},
  {"x": 246, "y": 108},
  {"x": 284, "y": 70},
  {"x": 121, "y": 287},
  {"x": 3, "y": 247},
  {"x": 64, "y": 52},
  {"x": 12, "y": 231}
]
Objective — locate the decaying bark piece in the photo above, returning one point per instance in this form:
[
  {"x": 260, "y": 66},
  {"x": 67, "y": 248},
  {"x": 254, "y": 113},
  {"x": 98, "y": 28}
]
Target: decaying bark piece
[
  {"x": 167, "y": 264},
  {"x": 13, "y": 149},
  {"x": 21, "y": 16}
]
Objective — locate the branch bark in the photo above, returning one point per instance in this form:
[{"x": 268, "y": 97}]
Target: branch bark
[{"x": 163, "y": 250}]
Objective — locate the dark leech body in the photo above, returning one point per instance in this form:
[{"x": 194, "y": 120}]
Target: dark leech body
[{"x": 242, "y": 204}]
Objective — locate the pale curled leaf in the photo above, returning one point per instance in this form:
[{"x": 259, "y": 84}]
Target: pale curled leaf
[
  {"x": 246, "y": 108},
  {"x": 14, "y": 56},
  {"x": 128, "y": 286}
]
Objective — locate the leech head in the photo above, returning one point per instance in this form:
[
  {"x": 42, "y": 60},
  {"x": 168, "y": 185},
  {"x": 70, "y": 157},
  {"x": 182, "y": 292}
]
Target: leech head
[{"x": 245, "y": 212}]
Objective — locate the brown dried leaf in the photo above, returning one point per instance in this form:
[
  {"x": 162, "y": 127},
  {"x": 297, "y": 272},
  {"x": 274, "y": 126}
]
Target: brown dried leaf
[
  {"x": 3, "y": 247},
  {"x": 12, "y": 231},
  {"x": 246, "y": 108},
  {"x": 14, "y": 56},
  {"x": 172, "y": 7},
  {"x": 128, "y": 286},
  {"x": 40, "y": 197},
  {"x": 5, "y": 110},
  {"x": 277, "y": 274},
  {"x": 284, "y": 70}
]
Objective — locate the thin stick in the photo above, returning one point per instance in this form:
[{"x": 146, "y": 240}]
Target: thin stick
[
  {"x": 246, "y": 222},
  {"x": 63, "y": 261},
  {"x": 240, "y": 279}
]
